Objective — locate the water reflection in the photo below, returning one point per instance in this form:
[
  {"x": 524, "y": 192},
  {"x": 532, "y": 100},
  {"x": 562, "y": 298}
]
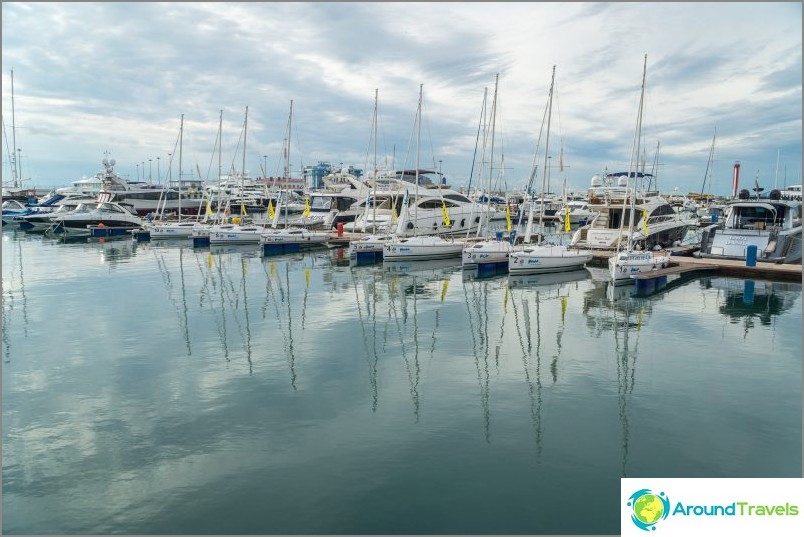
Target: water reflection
[
  {"x": 179, "y": 305},
  {"x": 114, "y": 250},
  {"x": 752, "y": 300},
  {"x": 13, "y": 286}
]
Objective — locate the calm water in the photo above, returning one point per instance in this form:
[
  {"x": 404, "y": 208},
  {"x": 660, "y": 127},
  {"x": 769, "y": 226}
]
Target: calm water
[{"x": 153, "y": 388}]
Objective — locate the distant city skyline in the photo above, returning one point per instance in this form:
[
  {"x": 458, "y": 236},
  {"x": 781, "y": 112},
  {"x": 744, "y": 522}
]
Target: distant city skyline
[{"x": 96, "y": 77}]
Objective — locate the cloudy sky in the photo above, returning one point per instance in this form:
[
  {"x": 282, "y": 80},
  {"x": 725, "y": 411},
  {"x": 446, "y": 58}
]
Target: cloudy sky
[{"x": 116, "y": 77}]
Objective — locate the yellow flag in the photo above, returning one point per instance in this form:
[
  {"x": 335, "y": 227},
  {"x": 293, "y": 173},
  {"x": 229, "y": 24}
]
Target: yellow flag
[
  {"x": 270, "y": 210},
  {"x": 566, "y": 218},
  {"x": 306, "y": 207},
  {"x": 645, "y": 222},
  {"x": 508, "y": 216},
  {"x": 272, "y": 268},
  {"x": 307, "y": 277},
  {"x": 243, "y": 209},
  {"x": 505, "y": 300},
  {"x": 209, "y": 260},
  {"x": 444, "y": 290},
  {"x": 447, "y": 221},
  {"x": 563, "y": 308},
  {"x": 209, "y": 208}
]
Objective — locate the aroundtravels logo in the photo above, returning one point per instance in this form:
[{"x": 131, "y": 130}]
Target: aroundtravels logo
[{"x": 648, "y": 508}]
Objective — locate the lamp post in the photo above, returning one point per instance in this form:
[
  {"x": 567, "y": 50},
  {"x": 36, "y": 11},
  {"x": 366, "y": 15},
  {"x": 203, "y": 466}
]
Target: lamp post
[
  {"x": 158, "y": 172},
  {"x": 138, "y": 171},
  {"x": 265, "y": 166},
  {"x": 150, "y": 171}
]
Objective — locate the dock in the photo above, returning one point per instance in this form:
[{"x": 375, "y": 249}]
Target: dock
[{"x": 681, "y": 262}]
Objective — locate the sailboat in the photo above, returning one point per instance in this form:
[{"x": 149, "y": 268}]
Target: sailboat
[
  {"x": 628, "y": 262},
  {"x": 238, "y": 232},
  {"x": 181, "y": 229},
  {"x": 543, "y": 257},
  {"x": 490, "y": 252},
  {"x": 369, "y": 248},
  {"x": 289, "y": 239},
  {"x": 420, "y": 247}
]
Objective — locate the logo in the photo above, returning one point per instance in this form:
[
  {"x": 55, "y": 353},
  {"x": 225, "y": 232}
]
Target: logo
[{"x": 647, "y": 508}]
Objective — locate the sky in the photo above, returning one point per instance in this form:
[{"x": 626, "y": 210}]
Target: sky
[{"x": 92, "y": 78}]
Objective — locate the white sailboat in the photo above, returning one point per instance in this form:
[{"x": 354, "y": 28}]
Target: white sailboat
[
  {"x": 238, "y": 232},
  {"x": 543, "y": 257},
  {"x": 420, "y": 247},
  {"x": 289, "y": 239},
  {"x": 488, "y": 253},
  {"x": 628, "y": 262}
]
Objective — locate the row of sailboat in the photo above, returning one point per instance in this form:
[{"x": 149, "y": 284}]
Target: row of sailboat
[{"x": 412, "y": 220}]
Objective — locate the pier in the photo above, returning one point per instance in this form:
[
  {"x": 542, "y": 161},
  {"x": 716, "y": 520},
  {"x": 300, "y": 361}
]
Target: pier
[{"x": 681, "y": 262}]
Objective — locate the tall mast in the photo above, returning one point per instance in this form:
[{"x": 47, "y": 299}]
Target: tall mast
[
  {"x": 546, "y": 151},
  {"x": 374, "y": 137},
  {"x": 220, "y": 143},
  {"x": 14, "y": 169},
  {"x": 243, "y": 168},
  {"x": 287, "y": 159},
  {"x": 491, "y": 152},
  {"x": 634, "y": 165},
  {"x": 181, "y": 142},
  {"x": 708, "y": 166},
  {"x": 418, "y": 146}
]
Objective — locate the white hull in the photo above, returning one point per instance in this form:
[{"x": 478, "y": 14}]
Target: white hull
[
  {"x": 369, "y": 244},
  {"x": 235, "y": 234},
  {"x": 293, "y": 236},
  {"x": 421, "y": 248},
  {"x": 626, "y": 264},
  {"x": 540, "y": 259},
  {"x": 176, "y": 230},
  {"x": 488, "y": 251}
]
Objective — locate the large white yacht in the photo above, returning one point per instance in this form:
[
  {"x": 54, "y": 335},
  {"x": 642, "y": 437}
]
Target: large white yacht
[
  {"x": 772, "y": 225},
  {"x": 656, "y": 223}
]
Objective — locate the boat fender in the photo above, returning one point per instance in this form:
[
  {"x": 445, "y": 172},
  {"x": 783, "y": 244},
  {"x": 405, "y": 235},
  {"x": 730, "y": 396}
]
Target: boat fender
[
  {"x": 101, "y": 225},
  {"x": 477, "y": 219},
  {"x": 463, "y": 222}
]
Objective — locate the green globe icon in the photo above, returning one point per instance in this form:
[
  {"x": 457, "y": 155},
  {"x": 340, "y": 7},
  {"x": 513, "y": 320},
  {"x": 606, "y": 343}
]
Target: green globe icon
[{"x": 648, "y": 509}]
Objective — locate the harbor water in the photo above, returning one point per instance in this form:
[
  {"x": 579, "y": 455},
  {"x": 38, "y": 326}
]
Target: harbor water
[{"x": 153, "y": 388}]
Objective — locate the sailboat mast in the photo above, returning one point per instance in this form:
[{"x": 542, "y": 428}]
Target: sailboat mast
[
  {"x": 491, "y": 151},
  {"x": 546, "y": 152},
  {"x": 181, "y": 143},
  {"x": 14, "y": 169},
  {"x": 635, "y": 154},
  {"x": 418, "y": 147},
  {"x": 287, "y": 161},
  {"x": 374, "y": 137},
  {"x": 243, "y": 169},
  {"x": 708, "y": 166}
]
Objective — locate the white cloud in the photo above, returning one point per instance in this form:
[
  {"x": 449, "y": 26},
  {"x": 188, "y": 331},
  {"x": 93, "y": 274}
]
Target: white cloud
[{"x": 90, "y": 77}]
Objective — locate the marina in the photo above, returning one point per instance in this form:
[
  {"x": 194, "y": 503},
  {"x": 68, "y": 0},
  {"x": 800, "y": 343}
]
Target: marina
[
  {"x": 367, "y": 391},
  {"x": 462, "y": 269}
]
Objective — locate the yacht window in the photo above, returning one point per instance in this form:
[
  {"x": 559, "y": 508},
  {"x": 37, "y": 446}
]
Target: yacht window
[{"x": 320, "y": 203}]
